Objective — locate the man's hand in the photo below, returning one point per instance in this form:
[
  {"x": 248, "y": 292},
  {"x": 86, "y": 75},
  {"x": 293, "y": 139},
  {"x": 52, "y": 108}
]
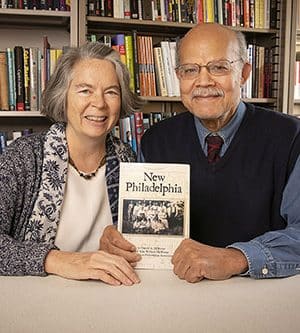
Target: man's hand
[
  {"x": 97, "y": 265},
  {"x": 113, "y": 242},
  {"x": 195, "y": 261}
]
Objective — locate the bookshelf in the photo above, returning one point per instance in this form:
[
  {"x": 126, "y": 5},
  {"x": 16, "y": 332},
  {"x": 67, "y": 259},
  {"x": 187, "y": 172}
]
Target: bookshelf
[
  {"x": 27, "y": 27},
  {"x": 279, "y": 38}
]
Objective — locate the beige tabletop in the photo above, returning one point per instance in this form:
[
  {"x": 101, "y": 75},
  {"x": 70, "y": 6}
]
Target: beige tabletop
[{"x": 161, "y": 303}]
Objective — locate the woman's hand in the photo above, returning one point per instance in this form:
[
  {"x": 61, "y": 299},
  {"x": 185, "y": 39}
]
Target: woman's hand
[
  {"x": 98, "y": 265},
  {"x": 113, "y": 242}
]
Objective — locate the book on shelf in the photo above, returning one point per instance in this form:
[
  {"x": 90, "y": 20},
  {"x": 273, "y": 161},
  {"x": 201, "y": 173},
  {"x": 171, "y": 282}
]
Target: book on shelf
[
  {"x": 61, "y": 5},
  {"x": 261, "y": 14},
  {"x": 154, "y": 210},
  {"x": 19, "y": 72},
  {"x": 26, "y": 55},
  {"x": 3, "y": 83},
  {"x": 34, "y": 81},
  {"x": 130, "y": 60},
  {"x": 169, "y": 71},
  {"x": 11, "y": 78},
  {"x": 118, "y": 43},
  {"x": 159, "y": 72}
]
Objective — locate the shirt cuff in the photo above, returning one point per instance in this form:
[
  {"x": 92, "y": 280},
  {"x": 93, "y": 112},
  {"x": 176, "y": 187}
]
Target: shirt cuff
[{"x": 260, "y": 260}]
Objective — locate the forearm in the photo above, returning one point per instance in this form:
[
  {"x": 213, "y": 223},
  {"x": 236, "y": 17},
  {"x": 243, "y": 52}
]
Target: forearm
[
  {"x": 274, "y": 254},
  {"x": 22, "y": 258}
]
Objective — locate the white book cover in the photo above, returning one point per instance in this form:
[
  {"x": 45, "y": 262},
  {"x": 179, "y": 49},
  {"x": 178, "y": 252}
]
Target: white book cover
[{"x": 154, "y": 208}]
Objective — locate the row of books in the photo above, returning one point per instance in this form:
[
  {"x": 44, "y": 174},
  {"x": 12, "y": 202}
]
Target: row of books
[
  {"x": 263, "y": 80},
  {"x": 5, "y": 140},
  {"x": 297, "y": 80},
  {"x": 263, "y": 14},
  {"x": 61, "y": 5},
  {"x": 23, "y": 76},
  {"x": 131, "y": 129},
  {"x": 152, "y": 66}
]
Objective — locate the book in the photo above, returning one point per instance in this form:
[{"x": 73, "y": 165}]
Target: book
[
  {"x": 10, "y": 58},
  {"x": 154, "y": 210},
  {"x": 34, "y": 78},
  {"x": 19, "y": 72},
  {"x": 130, "y": 60},
  {"x": 26, "y": 79},
  {"x": 3, "y": 82}
]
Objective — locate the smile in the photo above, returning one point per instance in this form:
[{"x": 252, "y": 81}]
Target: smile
[{"x": 96, "y": 118}]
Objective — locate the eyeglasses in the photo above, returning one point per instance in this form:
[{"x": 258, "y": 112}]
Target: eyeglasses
[{"x": 216, "y": 68}]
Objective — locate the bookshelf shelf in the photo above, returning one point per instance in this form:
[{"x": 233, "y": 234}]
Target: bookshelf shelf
[
  {"x": 33, "y": 12},
  {"x": 20, "y": 114},
  {"x": 107, "y": 23},
  {"x": 29, "y": 17}
]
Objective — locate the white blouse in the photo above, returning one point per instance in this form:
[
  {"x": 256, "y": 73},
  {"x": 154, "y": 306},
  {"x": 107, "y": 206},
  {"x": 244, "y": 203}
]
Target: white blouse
[{"x": 85, "y": 212}]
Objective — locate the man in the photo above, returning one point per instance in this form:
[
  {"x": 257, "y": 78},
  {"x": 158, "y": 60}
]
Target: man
[{"x": 245, "y": 167}]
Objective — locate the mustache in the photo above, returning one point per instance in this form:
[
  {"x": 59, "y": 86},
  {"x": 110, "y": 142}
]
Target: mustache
[{"x": 206, "y": 92}]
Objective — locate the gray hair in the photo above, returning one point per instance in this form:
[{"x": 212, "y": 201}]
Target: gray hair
[
  {"x": 54, "y": 97},
  {"x": 241, "y": 51}
]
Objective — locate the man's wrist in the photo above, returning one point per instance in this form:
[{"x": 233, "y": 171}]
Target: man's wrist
[{"x": 238, "y": 261}]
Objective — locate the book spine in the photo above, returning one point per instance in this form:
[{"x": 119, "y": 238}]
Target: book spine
[
  {"x": 130, "y": 60},
  {"x": 11, "y": 79},
  {"x": 127, "y": 10},
  {"x": 136, "y": 63},
  {"x": 147, "y": 10},
  {"x": 119, "y": 42},
  {"x": 3, "y": 143},
  {"x": 167, "y": 66},
  {"x": 26, "y": 80},
  {"x": 134, "y": 9},
  {"x": 139, "y": 131},
  {"x": 19, "y": 72},
  {"x": 3, "y": 83},
  {"x": 133, "y": 134},
  {"x": 34, "y": 82},
  {"x": 160, "y": 74}
]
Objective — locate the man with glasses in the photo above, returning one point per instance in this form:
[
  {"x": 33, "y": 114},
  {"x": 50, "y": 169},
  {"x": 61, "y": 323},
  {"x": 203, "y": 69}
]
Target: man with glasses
[{"x": 245, "y": 166}]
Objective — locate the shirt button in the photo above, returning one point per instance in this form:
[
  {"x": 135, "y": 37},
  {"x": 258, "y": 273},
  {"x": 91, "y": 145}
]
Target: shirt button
[{"x": 265, "y": 271}]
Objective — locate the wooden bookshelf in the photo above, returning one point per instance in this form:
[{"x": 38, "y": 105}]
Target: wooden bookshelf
[
  {"x": 90, "y": 24},
  {"x": 26, "y": 27}
]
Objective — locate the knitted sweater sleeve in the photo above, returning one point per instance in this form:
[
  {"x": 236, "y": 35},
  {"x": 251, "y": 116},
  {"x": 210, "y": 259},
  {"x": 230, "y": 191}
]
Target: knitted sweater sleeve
[{"x": 19, "y": 181}]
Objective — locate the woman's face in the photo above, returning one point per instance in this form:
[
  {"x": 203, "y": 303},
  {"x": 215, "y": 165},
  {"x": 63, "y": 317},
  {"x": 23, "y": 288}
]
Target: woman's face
[{"x": 93, "y": 100}]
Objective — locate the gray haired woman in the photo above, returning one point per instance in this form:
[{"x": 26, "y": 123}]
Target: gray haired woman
[{"x": 59, "y": 188}]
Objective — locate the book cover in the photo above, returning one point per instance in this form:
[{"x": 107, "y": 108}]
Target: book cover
[{"x": 154, "y": 210}]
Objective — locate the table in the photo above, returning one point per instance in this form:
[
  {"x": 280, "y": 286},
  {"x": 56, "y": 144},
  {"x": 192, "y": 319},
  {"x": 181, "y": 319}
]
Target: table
[{"x": 160, "y": 303}]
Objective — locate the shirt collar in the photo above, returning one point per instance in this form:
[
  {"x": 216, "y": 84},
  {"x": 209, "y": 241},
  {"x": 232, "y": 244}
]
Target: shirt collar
[{"x": 227, "y": 132}]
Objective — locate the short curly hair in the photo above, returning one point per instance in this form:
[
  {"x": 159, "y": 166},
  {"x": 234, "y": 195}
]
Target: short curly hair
[{"x": 54, "y": 97}]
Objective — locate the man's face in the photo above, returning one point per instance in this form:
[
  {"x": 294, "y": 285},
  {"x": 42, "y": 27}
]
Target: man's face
[{"x": 212, "y": 98}]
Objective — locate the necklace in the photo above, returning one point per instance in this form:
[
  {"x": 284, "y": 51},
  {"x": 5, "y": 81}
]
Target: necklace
[{"x": 88, "y": 176}]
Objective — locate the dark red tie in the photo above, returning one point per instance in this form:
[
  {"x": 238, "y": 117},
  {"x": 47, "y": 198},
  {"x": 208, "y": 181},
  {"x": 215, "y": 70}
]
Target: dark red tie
[{"x": 214, "y": 144}]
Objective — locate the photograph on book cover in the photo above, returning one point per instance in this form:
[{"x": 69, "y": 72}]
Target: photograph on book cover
[{"x": 154, "y": 210}]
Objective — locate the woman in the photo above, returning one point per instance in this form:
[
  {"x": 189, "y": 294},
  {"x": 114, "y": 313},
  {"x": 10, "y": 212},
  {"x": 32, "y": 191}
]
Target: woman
[{"x": 58, "y": 189}]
